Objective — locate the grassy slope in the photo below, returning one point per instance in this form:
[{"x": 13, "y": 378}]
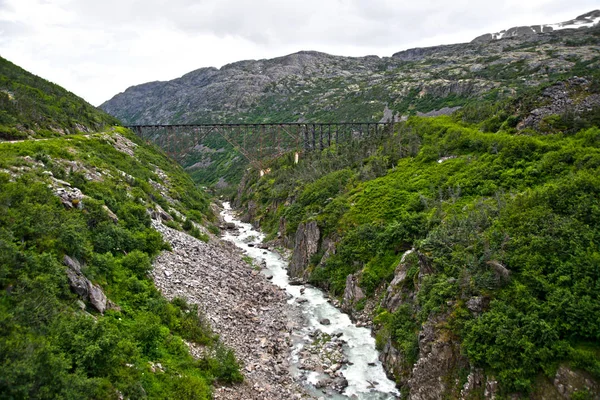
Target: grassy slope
[
  {"x": 49, "y": 346},
  {"x": 31, "y": 105},
  {"x": 527, "y": 202}
]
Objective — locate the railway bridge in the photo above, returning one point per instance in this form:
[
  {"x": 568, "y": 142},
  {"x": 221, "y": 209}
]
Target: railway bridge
[{"x": 258, "y": 143}]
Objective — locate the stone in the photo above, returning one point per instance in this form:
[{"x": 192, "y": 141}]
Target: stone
[
  {"x": 296, "y": 282},
  {"x": 352, "y": 293},
  {"x": 97, "y": 297},
  {"x": 325, "y": 321},
  {"x": 72, "y": 263},
  {"x": 306, "y": 244},
  {"x": 477, "y": 304},
  {"x": 83, "y": 287},
  {"x": 244, "y": 308},
  {"x": 78, "y": 283},
  {"x": 111, "y": 214}
]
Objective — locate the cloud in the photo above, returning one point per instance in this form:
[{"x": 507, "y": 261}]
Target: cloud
[{"x": 99, "y": 48}]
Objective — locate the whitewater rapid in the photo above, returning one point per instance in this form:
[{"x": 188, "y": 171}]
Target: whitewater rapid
[{"x": 364, "y": 372}]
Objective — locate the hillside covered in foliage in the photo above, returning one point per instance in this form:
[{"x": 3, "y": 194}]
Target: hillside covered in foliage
[
  {"x": 32, "y": 106},
  {"x": 80, "y": 316},
  {"x": 471, "y": 242}
]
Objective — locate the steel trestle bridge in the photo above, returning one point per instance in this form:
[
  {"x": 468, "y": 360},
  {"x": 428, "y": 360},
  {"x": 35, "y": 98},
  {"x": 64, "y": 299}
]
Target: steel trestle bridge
[{"x": 258, "y": 142}]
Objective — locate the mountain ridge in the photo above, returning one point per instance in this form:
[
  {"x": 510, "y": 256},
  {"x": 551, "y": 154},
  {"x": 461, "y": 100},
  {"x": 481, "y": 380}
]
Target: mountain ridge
[
  {"x": 587, "y": 20},
  {"x": 318, "y": 87}
]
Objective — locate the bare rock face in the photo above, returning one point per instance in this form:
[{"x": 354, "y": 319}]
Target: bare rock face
[
  {"x": 353, "y": 293},
  {"x": 393, "y": 360},
  {"x": 285, "y": 239},
  {"x": 439, "y": 358},
  {"x": 307, "y": 244},
  {"x": 394, "y": 292},
  {"x": 111, "y": 214},
  {"x": 477, "y": 304},
  {"x": 329, "y": 246},
  {"x": 78, "y": 283},
  {"x": 250, "y": 215},
  {"x": 475, "y": 381}
]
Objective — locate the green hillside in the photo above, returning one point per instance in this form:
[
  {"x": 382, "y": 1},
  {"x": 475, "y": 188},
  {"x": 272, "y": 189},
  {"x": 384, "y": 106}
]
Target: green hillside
[
  {"x": 505, "y": 230},
  {"x": 32, "y": 106},
  {"x": 80, "y": 316}
]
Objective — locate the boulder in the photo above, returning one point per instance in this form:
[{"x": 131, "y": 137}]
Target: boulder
[
  {"x": 77, "y": 283},
  {"x": 83, "y": 287},
  {"x": 97, "y": 297},
  {"x": 111, "y": 214}
]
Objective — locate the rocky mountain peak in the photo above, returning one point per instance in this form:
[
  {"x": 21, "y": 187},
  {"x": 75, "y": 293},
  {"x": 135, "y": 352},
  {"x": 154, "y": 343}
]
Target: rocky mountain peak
[{"x": 586, "y": 20}]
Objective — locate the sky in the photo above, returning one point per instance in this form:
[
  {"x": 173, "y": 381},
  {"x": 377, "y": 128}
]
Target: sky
[{"x": 98, "y": 48}]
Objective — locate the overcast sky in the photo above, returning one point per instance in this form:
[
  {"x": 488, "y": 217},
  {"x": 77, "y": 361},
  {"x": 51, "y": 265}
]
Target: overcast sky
[{"x": 98, "y": 48}]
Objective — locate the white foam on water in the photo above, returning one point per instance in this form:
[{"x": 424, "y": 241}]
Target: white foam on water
[{"x": 366, "y": 377}]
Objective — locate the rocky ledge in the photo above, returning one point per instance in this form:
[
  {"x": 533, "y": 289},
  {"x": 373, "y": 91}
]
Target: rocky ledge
[{"x": 244, "y": 308}]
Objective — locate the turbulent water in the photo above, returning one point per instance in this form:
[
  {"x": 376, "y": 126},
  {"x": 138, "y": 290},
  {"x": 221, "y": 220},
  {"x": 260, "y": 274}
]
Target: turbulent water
[{"x": 364, "y": 373}]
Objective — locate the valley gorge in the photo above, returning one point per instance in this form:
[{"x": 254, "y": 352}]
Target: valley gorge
[{"x": 451, "y": 252}]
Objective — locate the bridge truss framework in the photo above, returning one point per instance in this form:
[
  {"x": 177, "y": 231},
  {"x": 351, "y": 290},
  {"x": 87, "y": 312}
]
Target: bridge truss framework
[{"x": 259, "y": 143}]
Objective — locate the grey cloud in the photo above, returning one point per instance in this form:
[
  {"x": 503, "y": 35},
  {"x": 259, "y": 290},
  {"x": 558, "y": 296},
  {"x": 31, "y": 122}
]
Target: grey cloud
[
  {"x": 332, "y": 22},
  {"x": 12, "y": 30}
]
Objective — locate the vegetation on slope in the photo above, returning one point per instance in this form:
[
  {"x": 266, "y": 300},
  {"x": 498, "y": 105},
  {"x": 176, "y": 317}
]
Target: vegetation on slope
[
  {"x": 508, "y": 216},
  {"x": 32, "y": 106},
  {"x": 316, "y": 87},
  {"x": 51, "y": 344}
]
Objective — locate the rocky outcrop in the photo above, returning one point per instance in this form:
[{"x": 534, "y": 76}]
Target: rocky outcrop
[
  {"x": 587, "y": 20},
  {"x": 568, "y": 381},
  {"x": 250, "y": 215},
  {"x": 572, "y": 96},
  {"x": 69, "y": 196},
  {"x": 439, "y": 360},
  {"x": 242, "y": 306},
  {"x": 83, "y": 287},
  {"x": 352, "y": 293},
  {"x": 286, "y": 241},
  {"x": 394, "y": 292},
  {"x": 393, "y": 362},
  {"x": 306, "y": 244}
]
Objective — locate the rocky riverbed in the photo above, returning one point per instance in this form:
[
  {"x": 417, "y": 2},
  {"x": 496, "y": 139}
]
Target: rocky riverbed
[
  {"x": 331, "y": 356},
  {"x": 249, "y": 313}
]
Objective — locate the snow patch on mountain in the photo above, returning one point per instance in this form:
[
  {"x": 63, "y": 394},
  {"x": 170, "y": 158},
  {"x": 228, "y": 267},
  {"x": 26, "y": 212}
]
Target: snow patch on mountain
[{"x": 587, "y": 20}]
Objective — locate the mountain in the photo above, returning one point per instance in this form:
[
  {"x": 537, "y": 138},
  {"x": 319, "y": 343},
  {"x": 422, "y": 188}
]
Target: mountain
[
  {"x": 80, "y": 315},
  {"x": 469, "y": 243},
  {"x": 32, "y": 106},
  {"x": 320, "y": 87},
  {"x": 587, "y": 20},
  {"x": 317, "y": 87}
]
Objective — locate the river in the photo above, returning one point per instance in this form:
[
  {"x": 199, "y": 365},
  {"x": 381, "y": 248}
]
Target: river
[{"x": 363, "y": 371}]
